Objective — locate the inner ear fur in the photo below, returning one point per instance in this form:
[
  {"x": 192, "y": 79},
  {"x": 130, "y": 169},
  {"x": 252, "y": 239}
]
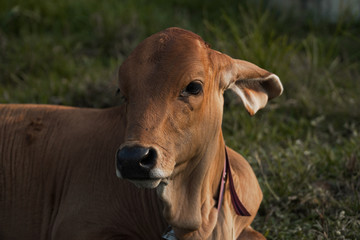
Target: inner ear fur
[{"x": 254, "y": 85}]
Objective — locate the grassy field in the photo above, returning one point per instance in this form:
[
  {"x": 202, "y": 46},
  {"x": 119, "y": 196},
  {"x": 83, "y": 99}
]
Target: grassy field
[{"x": 304, "y": 147}]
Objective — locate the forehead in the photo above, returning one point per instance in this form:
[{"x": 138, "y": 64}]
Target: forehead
[{"x": 166, "y": 57}]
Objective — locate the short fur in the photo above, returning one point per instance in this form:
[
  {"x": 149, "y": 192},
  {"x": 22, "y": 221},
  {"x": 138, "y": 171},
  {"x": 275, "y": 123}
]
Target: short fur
[{"x": 57, "y": 174}]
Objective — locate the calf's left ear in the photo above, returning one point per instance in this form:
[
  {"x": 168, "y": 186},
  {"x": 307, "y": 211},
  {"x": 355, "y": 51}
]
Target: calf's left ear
[{"x": 254, "y": 85}]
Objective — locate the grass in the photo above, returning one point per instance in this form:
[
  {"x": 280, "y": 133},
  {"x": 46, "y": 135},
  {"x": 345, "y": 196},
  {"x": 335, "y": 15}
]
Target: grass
[{"x": 304, "y": 147}]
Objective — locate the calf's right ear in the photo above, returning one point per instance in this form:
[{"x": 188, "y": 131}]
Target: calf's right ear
[{"x": 254, "y": 85}]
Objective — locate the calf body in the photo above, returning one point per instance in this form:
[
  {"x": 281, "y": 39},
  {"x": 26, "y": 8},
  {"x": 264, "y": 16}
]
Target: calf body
[
  {"x": 57, "y": 177},
  {"x": 57, "y": 172}
]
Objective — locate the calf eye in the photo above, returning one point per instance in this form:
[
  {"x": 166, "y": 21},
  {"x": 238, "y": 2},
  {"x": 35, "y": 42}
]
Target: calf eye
[{"x": 193, "y": 88}]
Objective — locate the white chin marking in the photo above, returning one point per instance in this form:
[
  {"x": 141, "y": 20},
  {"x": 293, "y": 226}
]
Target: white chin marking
[
  {"x": 157, "y": 173},
  {"x": 161, "y": 188},
  {"x": 146, "y": 183},
  {"x": 118, "y": 174}
]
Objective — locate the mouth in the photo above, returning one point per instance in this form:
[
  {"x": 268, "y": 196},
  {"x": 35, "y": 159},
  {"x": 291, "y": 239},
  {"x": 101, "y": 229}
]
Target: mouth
[
  {"x": 156, "y": 178},
  {"x": 148, "y": 183}
]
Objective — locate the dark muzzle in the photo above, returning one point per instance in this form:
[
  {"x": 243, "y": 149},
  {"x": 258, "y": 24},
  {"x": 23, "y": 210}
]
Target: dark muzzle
[{"x": 135, "y": 162}]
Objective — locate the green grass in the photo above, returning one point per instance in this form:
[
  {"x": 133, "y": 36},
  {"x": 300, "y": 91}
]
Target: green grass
[{"x": 304, "y": 147}]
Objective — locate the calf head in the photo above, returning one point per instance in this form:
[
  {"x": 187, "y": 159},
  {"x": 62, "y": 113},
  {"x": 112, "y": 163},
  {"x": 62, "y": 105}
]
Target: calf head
[{"x": 173, "y": 84}]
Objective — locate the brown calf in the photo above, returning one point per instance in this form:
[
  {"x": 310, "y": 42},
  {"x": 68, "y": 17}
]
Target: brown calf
[{"x": 57, "y": 177}]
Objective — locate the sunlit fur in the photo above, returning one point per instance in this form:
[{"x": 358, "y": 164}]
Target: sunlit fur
[{"x": 57, "y": 163}]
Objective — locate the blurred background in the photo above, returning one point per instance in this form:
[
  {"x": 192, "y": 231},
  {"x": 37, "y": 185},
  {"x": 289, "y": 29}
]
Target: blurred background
[{"x": 304, "y": 147}]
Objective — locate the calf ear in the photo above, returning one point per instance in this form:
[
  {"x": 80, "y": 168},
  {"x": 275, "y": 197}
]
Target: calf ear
[{"x": 254, "y": 85}]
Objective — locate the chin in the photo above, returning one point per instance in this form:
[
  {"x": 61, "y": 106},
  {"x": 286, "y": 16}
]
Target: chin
[{"x": 146, "y": 183}]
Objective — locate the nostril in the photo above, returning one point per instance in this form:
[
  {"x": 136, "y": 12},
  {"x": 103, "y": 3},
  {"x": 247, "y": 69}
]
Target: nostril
[{"x": 149, "y": 160}]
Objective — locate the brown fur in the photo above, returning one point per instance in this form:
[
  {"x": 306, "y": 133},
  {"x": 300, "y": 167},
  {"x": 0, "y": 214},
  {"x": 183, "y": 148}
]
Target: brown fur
[{"x": 57, "y": 169}]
